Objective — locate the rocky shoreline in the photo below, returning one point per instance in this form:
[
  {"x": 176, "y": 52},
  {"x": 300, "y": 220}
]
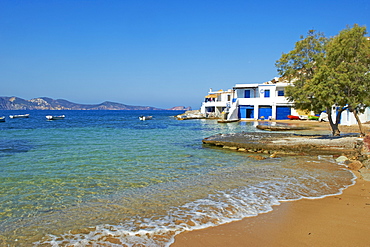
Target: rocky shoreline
[
  {"x": 349, "y": 149},
  {"x": 286, "y": 143}
]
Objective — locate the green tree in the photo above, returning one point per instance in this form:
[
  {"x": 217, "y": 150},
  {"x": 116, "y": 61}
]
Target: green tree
[
  {"x": 326, "y": 73},
  {"x": 300, "y": 66},
  {"x": 348, "y": 70}
]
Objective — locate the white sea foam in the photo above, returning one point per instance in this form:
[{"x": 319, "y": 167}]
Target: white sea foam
[
  {"x": 137, "y": 182},
  {"x": 215, "y": 209}
]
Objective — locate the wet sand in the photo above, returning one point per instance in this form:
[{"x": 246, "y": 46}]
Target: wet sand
[{"x": 341, "y": 220}]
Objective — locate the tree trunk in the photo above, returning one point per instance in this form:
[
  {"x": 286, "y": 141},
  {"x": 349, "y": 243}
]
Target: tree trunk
[
  {"x": 362, "y": 133},
  {"x": 334, "y": 126}
]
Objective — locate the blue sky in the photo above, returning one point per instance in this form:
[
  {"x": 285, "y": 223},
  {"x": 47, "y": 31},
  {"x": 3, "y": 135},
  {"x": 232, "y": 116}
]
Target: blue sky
[{"x": 160, "y": 53}]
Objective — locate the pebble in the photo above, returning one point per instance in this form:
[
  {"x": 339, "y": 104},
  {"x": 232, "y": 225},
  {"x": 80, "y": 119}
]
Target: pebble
[{"x": 341, "y": 159}]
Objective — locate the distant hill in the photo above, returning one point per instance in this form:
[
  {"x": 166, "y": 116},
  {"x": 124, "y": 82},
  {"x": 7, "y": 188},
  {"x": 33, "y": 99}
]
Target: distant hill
[
  {"x": 180, "y": 108},
  {"x": 44, "y": 103}
]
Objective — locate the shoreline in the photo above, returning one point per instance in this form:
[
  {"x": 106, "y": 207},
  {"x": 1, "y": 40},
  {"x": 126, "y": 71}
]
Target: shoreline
[
  {"x": 336, "y": 220},
  {"x": 97, "y": 233}
]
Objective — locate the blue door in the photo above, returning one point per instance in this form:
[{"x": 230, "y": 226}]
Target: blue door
[
  {"x": 265, "y": 111},
  {"x": 282, "y": 112},
  {"x": 210, "y": 109},
  {"x": 246, "y": 111}
]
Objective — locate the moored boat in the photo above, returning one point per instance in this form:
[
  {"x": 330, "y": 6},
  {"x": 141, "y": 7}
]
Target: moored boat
[
  {"x": 145, "y": 117},
  {"x": 2, "y": 119},
  {"x": 291, "y": 117},
  {"x": 227, "y": 121},
  {"x": 313, "y": 117},
  {"x": 49, "y": 117},
  {"x": 20, "y": 116}
]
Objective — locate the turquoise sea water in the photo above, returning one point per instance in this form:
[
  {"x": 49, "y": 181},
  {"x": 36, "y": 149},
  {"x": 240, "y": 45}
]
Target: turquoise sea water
[{"x": 105, "y": 178}]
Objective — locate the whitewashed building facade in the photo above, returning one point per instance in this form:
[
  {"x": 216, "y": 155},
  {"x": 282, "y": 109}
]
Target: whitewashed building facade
[
  {"x": 216, "y": 102},
  {"x": 347, "y": 117},
  {"x": 250, "y": 101},
  {"x": 260, "y": 101}
]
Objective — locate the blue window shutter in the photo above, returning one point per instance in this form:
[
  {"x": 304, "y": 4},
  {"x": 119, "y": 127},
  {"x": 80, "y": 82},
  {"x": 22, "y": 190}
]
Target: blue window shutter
[
  {"x": 247, "y": 94},
  {"x": 267, "y": 93}
]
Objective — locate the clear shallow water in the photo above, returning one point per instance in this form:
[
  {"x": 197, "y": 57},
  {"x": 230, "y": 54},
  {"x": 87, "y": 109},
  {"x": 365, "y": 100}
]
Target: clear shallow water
[{"x": 106, "y": 178}]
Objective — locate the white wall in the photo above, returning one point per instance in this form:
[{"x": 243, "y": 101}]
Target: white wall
[{"x": 347, "y": 117}]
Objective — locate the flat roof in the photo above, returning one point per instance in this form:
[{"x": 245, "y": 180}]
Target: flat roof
[{"x": 255, "y": 85}]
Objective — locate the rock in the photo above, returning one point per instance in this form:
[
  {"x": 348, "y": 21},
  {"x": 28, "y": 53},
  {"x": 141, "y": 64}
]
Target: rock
[
  {"x": 365, "y": 173},
  {"x": 366, "y": 163},
  {"x": 354, "y": 165},
  {"x": 274, "y": 155},
  {"x": 367, "y": 142},
  {"x": 113, "y": 240},
  {"x": 286, "y": 142},
  {"x": 257, "y": 157},
  {"x": 341, "y": 159}
]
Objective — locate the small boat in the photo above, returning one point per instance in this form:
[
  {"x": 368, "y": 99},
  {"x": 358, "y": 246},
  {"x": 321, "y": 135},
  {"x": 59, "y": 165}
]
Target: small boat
[
  {"x": 2, "y": 119},
  {"x": 291, "y": 117},
  {"x": 20, "y": 116},
  {"x": 227, "y": 121},
  {"x": 145, "y": 117},
  {"x": 313, "y": 117},
  {"x": 49, "y": 117}
]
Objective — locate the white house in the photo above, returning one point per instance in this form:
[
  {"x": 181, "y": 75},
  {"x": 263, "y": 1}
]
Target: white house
[
  {"x": 260, "y": 101},
  {"x": 216, "y": 102},
  {"x": 347, "y": 117}
]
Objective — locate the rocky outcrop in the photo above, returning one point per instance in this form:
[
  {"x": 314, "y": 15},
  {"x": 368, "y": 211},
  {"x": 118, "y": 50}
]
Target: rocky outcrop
[
  {"x": 180, "y": 108},
  {"x": 286, "y": 143},
  {"x": 353, "y": 152},
  {"x": 194, "y": 114}
]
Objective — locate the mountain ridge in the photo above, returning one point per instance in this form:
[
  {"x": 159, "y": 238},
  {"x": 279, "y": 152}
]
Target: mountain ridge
[{"x": 46, "y": 103}]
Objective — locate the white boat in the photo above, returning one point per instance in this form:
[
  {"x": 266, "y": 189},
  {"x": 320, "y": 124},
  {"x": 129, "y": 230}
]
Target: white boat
[
  {"x": 2, "y": 119},
  {"x": 145, "y": 117},
  {"x": 20, "y": 116},
  {"x": 49, "y": 117}
]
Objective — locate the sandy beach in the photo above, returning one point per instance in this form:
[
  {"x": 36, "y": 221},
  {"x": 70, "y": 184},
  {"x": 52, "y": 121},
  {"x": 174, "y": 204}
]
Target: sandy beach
[{"x": 340, "y": 220}]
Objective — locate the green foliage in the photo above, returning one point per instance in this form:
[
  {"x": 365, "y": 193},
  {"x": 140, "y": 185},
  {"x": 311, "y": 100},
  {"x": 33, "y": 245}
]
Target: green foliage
[
  {"x": 326, "y": 72},
  {"x": 299, "y": 67},
  {"x": 348, "y": 62}
]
